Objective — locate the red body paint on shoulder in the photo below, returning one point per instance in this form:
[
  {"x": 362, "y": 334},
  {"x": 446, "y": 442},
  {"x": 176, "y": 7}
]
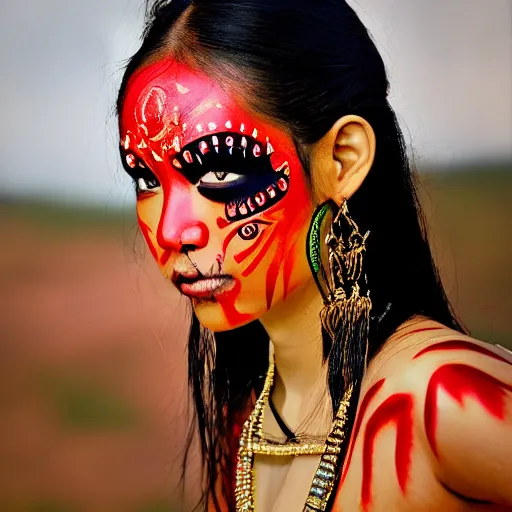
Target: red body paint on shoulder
[
  {"x": 365, "y": 403},
  {"x": 460, "y": 381},
  {"x": 418, "y": 330},
  {"x": 397, "y": 409},
  {"x": 460, "y": 345}
]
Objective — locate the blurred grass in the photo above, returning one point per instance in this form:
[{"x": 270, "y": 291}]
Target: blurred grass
[{"x": 79, "y": 404}]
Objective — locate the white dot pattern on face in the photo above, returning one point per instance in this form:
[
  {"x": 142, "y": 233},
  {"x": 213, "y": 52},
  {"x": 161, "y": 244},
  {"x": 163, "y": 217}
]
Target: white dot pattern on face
[
  {"x": 131, "y": 161},
  {"x": 188, "y": 157},
  {"x": 203, "y": 147}
]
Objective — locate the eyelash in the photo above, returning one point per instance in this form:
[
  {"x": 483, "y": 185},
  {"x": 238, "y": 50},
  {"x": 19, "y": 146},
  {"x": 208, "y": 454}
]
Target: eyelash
[
  {"x": 144, "y": 180},
  {"x": 219, "y": 177},
  {"x": 143, "y": 185}
]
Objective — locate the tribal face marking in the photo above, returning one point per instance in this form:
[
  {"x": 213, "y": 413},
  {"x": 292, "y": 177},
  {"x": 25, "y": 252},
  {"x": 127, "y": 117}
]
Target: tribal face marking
[{"x": 223, "y": 201}]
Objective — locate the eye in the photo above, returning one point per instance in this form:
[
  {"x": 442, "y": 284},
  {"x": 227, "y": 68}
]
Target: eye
[
  {"x": 219, "y": 177},
  {"x": 145, "y": 180},
  {"x": 249, "y": 231},
  {"x": 145, "y": 185}
]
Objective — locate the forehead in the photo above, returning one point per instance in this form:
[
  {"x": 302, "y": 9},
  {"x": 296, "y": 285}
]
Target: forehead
[{"x": 170, "y": 104}]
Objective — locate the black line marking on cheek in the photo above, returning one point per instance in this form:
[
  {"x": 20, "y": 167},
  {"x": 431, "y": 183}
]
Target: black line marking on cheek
[{"x": 259, "y": 202}]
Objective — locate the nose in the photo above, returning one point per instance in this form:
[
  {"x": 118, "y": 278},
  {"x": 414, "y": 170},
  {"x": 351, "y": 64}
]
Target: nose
[{"x": 179, "y": 229}]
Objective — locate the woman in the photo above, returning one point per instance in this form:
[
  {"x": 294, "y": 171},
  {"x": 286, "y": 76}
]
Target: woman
[{"x": 273, "y": 190}]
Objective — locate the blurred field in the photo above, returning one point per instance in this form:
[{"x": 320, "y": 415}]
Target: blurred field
[{"x": 92, "y": 371}]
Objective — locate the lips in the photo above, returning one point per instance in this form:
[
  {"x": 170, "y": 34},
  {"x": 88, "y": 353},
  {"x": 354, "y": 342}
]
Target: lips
[{"x": 205, "y": 287}]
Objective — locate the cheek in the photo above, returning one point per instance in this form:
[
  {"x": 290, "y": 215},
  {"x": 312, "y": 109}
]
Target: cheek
[
  {"x": 149, "y": 210},
  {"x": 269, "y": 263}
]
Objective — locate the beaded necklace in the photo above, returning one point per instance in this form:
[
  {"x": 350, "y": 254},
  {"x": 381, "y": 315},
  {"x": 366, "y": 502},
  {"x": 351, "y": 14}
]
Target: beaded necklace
[{"x": 252, "y": 441}]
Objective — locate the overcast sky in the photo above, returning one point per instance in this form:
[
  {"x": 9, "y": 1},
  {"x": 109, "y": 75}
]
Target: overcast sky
[{"x": 450, "y": 63}]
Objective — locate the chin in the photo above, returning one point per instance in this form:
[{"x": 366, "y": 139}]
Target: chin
[{"x": 212, "y": 316}]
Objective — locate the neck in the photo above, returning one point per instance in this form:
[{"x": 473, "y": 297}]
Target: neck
[{"x": 301, "y": 377}]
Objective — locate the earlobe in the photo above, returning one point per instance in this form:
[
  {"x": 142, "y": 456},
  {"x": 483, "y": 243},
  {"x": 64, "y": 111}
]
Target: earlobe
[{"x": 343, "y": 158}]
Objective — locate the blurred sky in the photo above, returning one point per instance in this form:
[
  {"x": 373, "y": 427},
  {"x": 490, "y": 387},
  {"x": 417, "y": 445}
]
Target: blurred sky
[{"x": 450, "y": 63}]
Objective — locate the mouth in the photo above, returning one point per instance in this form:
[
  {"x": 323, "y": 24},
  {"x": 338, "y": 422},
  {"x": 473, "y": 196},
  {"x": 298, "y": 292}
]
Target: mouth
[{"x": 205, "y": 288}]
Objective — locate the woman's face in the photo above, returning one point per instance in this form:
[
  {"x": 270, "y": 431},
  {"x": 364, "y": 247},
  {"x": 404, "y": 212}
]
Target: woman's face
[{"x": 222, "y": 198}]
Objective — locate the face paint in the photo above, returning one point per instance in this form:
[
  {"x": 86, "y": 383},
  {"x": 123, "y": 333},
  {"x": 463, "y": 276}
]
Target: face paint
[{"x": 223, "y": 201}]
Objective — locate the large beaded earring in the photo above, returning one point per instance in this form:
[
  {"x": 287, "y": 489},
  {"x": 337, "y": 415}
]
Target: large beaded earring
[{"x": 345, "y": 316}]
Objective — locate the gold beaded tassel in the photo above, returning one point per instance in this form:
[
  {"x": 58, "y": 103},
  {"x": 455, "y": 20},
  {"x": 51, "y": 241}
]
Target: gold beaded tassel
[{"x": 251, "y": 435}]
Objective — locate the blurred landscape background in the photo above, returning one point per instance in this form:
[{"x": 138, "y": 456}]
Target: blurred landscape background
[{"x": 93, "y": 394}]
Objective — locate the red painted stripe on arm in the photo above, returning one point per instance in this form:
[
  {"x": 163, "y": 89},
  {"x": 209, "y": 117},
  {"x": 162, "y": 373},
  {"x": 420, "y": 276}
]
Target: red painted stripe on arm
[
  {"x": 397, "y": 409},
  {"x": 365, "y": 403}
]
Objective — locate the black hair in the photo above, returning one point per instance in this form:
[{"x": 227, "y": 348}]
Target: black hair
[{"x": 306, "y": 63}]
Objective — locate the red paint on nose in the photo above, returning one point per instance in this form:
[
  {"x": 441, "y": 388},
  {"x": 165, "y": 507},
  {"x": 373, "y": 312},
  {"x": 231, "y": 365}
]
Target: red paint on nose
[
  {"x": 196, "y": 235},
  {"x": 179, "y": 223}
]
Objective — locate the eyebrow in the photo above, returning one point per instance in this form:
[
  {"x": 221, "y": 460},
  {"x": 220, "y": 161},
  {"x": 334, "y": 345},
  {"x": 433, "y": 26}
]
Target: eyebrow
[{"x": 223, "y": 152}]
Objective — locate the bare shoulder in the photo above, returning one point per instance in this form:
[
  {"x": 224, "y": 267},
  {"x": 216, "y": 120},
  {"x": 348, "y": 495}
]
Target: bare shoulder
[
  {"x": 458, "y": 393},
  {"x": 420, "y": 348}
]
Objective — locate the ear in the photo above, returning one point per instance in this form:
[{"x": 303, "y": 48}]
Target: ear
[{"x": 342, "y": 159}]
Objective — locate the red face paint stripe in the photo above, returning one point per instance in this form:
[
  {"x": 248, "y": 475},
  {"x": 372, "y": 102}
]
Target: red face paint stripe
[
  {"x": 166, "y": 256},
  {"x": 228, "y": 239},
  {"x": 460, "y": 345},
  {"x": 146, "y": 230},
  {"x": 397, "y": 409},
  {"x": 289, "y": 265},
  {"x": 272, "y": 273},
  {"x": 460, "y": 381},
  {"x": 222, "y": 223},
  {"x": 367, "y": 400},
  {"x": 242, "y": 256},
  {"x": 257, "y": 260},
  {"x": 227, "y": 304}
]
